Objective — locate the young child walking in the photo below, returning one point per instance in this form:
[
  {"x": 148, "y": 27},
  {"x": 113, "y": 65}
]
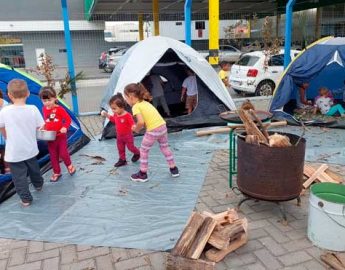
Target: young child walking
[
  {"x": 56, "y": 119},
  {"x": 156, "y": 130},
  {"x": 123, "y": 122},
  {"x": 21, "y": 122},
  {"x": 324, "y": 103}
]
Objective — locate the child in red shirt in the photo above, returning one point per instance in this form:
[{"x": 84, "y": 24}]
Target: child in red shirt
[
  {"x": 56, "y": 119},
  {"x": 123, "y": 122}
]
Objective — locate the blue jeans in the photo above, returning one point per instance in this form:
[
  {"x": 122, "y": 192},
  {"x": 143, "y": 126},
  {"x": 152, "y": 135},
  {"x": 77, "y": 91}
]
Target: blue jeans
[{"x": 334, "y": 109}]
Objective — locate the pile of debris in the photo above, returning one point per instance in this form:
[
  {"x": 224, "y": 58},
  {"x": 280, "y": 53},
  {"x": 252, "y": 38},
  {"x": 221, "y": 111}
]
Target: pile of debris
[{"x": 207, "y": 239}]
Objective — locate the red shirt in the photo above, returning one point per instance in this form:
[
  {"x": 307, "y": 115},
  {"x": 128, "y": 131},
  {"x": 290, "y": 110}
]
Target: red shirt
[
  {"x": 56, "y": 118},
  {"x": 123, "y": 123}
]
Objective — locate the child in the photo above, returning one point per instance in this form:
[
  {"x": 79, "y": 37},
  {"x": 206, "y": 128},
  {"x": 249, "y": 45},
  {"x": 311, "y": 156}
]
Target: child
[
  {"x": 56, "y": 119},
  {"x": 325, "y": 104},
  {"x": 156, "y": 130},
  {"x": 190, "y": 89},
  {"x": 3, "y": 164},
  {"x": 223, "y": 73},
  {"x": 123, "y": 122},
  {"x": 21, "y": 122}
]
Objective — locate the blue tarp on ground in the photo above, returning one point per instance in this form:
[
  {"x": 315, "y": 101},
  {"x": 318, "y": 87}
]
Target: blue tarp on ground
[{"x": 99, "y": 205}]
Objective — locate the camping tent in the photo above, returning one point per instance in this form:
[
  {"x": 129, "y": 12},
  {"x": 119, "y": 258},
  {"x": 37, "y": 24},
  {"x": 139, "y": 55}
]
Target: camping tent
[
  {"x": 76, "y": 138},
  {"x": 169, "y": 58},
  {"x": 321, "y": 64}
]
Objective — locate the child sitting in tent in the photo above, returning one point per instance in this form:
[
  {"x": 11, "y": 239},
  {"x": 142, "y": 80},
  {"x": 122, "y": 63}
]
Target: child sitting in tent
[
  {"x": 3, "y": 164},
  {"x": 123, "y": 122},
  {"x": 324, "y": 103}
]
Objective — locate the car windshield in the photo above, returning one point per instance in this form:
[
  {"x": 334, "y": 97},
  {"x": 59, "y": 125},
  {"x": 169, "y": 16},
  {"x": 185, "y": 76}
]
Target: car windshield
[{"x": 247, "y": 60}]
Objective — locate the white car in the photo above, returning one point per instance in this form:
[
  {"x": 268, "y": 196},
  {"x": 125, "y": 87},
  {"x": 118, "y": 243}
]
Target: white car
[
  {"x": 226, "y": 53},
  {"x": 249, "y": 74}
]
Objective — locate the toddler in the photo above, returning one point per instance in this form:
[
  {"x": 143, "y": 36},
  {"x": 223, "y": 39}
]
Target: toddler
[{"x": 324, "y": 103}]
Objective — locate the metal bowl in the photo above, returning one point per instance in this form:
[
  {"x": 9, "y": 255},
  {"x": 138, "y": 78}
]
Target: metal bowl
[
  {"x": 233, "y": 117},
  {"x": 45, "y": 135}
]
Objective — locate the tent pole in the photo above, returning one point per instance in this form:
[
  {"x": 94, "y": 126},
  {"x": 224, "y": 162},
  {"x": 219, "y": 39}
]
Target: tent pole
[
  {"x": 288, "y": 29},
  {"x": 155, "y": 8},
  {"x": 213, "y": 16},
  {"x": 188, "y": 22},
  {"x": 141, "y": 27},
  {"x": 68, "y": 43}
]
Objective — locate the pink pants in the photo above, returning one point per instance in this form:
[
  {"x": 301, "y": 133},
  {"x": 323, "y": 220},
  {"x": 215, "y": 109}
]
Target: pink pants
[
  {"x": 159, "y": 134},
  {"x": 126, "y": 140},
  {"x": 58, "y": 150}
]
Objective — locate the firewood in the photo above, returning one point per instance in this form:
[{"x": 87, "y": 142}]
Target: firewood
[
  {"x": 278, "y": 140},
  {"x": 225, "y": 217},
  {"x": 332, "y": 261},
  {"x": 188, "y": 235},
  {"x": 247, "y": 105},
  {"x": 181, "y": 263},
  {"x": 312, "y": 178},
  {"x": 216, "y": 255},
  {"x": 201, "y": 238},
  {"x": 251, "y": 127},
  {"x": 323, "y": 176},
  {"x": 259, "y": 123},
  {"x": 340, "y": 257},
  {"x": 252, "y": 139},
  {"x": 335, "y": 176}
]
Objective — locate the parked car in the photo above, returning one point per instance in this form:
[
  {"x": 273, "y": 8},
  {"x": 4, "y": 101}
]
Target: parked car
[
  {"x": 249, "y": 74},
  {"x": 108, "y": 60},
  {"x": 252, "y": 47},
  {"x": 226, "y": 53}
]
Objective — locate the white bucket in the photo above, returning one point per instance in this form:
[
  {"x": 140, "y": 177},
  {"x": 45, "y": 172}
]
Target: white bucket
[{"x": 326, "y": 222}]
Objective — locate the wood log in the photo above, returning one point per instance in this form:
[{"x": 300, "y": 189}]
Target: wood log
[
  {"x": 312, "y": 178},
  {"x": 201, "y": 238},
  {"x": 181, "y": 263},
  {"x": 221, "y": 130},
  {"x": 259, "y": 123},
  {"x": 323, "y": 177},
  {"x": 332, "y": 261},
  {"x": 340, "y": 257},
  {"x": 252, "y": 139},
  {"x": 225, "y": 217},
  {"x": 250, "y": 126},
  {"x": 216, "y": 255},
  {"x": 188, "y": 235},
  {"x": 335, "y": 176}
]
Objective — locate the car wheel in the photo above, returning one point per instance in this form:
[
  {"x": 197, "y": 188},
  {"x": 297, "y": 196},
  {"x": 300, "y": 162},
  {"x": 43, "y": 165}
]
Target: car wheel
[
  {"x": 237, "y": 91},
  {"x": 265, "y": 88}
]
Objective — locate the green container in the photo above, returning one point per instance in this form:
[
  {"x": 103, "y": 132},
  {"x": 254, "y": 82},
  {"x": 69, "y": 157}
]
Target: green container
[{"x": 330, "y": 192}]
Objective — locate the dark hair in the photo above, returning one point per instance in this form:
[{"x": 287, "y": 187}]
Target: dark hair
[
  {"x": 139, "y": 91},
  {"x": 223, "y": 63},
  {"x": 47, "y": 92},
  {"x": 118, "y": 100}
]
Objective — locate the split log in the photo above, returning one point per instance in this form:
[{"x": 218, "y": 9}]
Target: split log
[
  {"x": 201, "y": 238},
  {"x": 250, "y": 126},
  {"x": 222, "y": 218},
  {"x": 335, "y": 176},
  {"x": 252, "y": 139},
  {"x": 332, "y": 261},
  {"x": 259, "y": 123},
  {"x": 315, "y": 175},
  {"x": 181, "y": 263},
  {"x": 216, "y": 255},
  {"x": 188, "y": 235},
  {"x": 323, "y": 177}
]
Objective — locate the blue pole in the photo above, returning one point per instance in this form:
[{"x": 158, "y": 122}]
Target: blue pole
[
  {"x": 68, "y": 43},
  {"x": 188, "y": 22},
  {"x": 288, "y": 28}
]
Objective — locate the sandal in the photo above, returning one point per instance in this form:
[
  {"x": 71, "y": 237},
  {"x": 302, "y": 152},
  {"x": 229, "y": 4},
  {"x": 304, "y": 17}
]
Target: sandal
[
  {"x": 71, "y": 169},
  {"x": 55, "y": 177}
]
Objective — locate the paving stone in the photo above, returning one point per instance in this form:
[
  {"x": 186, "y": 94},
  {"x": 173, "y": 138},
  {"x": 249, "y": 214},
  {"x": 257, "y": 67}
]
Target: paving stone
[
  {"x": 295, "y": 258},
  {"x": 104, "y": 262},
  {"x": 255, "y": 266},
  {"x": 27, "y": 266},
  {"x": 119, "y": 254},
  {"x": 82, "y": 265},
  {"x": 19, "y": 244},
  {"x": 276, "y": 234},
  {"x": 31, "y": 257},
  {"x": 268, "y": 259},
  {"x": 4, "y": 254},
  {"x": 132, "y": 252},
  {"x": 273, "y": 246},
  {"x": 315, "y": 252},
  {"x": 277, "y": 222},
  {"x": 297, "y": 234},
  {"x": 17, "y": 256},
  {"x": 257, "y": 233},
  {"x": 299, "y": 224},
  {"x": 158, "y": 260},
  {"x": 51, "y": 264},
  {"x": 297, "y": 245},
  {"x": 249, "y": 246},
  {"x": 68, "y": 254},
  {"x": 3, "y": 264},
  {"x": 232, "y": 261},
  {"x": 48, "y": 246},
  {"x": 257, "y": 224},
  {"x": 314, "y": 265},
  {"x": 209, "y": 201},
  {"x": 35, "y": 246},
  {"x": 247, "y": 258},
  {"x": 131, "y": 263},
  {"x": 145, "y": 267},
  {"x": 295, "y": 267},
  {"x": 261, "y": 215},
  {"x": 221, "y": 266},
  {"x": 83, "y": 247},
  {"x": 94, "y": 252}
]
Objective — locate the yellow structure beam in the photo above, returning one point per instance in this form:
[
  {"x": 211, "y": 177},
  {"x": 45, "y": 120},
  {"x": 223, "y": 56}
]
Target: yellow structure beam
[
  {"x": 155, "y": 8},
  {"x": 141, "y": 27},
  {"x": 213, "y": 43}
]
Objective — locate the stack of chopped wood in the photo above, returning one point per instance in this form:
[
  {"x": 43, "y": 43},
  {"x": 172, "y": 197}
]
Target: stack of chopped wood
[
  {"x": 210, "y": 237},
  {"x": 334, "y": 260},
  {"x": 257, "y": 132},
  {"x": 319, "y": 174}
]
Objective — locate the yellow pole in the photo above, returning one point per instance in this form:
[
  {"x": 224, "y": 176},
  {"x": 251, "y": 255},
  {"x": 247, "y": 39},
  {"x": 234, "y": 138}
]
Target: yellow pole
[
  {"x": 155, "y": 7},
  {"x": 213, "y": 43},
  {"x": 141, "y": 27}
]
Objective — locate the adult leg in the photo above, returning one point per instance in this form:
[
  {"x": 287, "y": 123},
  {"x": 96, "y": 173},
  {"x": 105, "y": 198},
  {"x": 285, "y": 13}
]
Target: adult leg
[
  {"x": 146, "y": 144},
  {"x": 63, "y": 149},
  {"x": 164, "y": 146},
  {"x": 165, "y": 105},
  {"x": 155, "y": 102},
  {"x": 121, "y": 147},
  {"x": 34, "y": 172},
  {"x": 54, "y": 156},
  {"x": 20, "y": 180}
]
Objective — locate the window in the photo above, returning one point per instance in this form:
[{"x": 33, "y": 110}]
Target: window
[
  {"x": 247, "y": 60},
  {"x": 200, "y": 25},
  {"x": 276, "y": 60},
  {"x": 178, "y": 23},
  {"x": 227, "y": 48}
]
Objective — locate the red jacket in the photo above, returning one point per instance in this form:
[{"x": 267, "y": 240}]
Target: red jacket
[
  {"x": 56, "y": 118},
  {"x": 123, "y": 123}
]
